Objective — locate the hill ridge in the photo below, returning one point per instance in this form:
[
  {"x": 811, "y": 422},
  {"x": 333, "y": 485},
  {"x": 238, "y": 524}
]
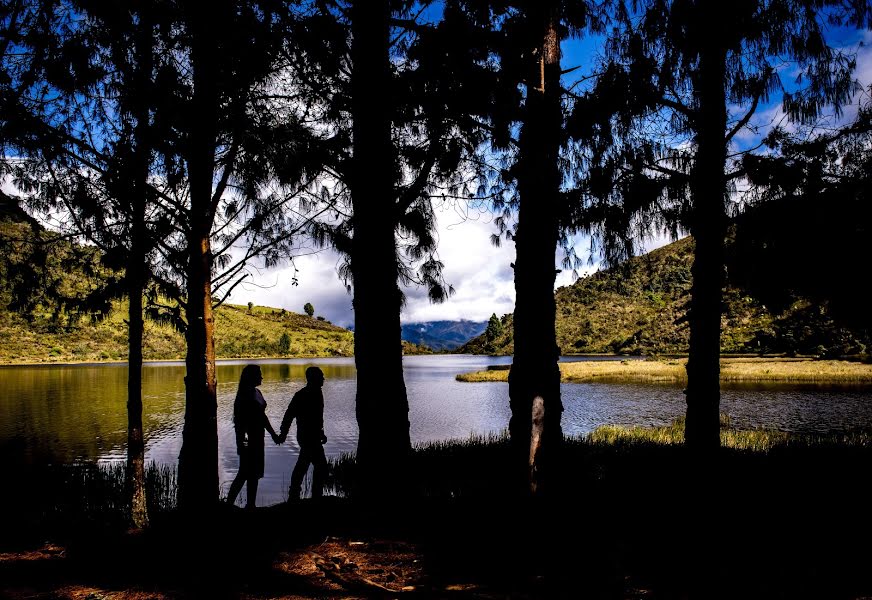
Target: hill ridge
[{"x": 638, "y": 307}]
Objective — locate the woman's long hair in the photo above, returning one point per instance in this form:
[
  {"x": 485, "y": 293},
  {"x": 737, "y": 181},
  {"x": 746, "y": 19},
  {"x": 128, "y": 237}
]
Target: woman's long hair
[{"x": 245, "y": 393}]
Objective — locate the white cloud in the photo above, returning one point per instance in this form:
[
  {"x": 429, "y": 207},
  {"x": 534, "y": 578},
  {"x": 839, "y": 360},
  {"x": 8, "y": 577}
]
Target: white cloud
[
  {"x": 479, "y": 272},
  {"x": 317, "y": 282}
]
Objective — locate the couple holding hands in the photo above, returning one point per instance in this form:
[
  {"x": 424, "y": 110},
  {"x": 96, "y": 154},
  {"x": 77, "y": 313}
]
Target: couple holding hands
[{"x": 250, "y": 422}]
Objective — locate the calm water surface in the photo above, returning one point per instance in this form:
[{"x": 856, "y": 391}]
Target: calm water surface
[{"x": 62, "y": 414}]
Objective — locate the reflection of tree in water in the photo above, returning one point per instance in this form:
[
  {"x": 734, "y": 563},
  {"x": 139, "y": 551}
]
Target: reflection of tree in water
[
  {"x": 285, "y": 371},
  {"x": 57, "y": 414},
  {"x": 79, "y": 413}
]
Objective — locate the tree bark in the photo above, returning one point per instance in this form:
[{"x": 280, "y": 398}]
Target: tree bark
[
  {"x": 135, "y": 440},
  {"x": 534, "y": 378},
  {"x": 198, "y": 461},
  {"x": 382, "y": 406},
  {"x": 136, "y": 275},
  {"x": 708, "y": 227}
]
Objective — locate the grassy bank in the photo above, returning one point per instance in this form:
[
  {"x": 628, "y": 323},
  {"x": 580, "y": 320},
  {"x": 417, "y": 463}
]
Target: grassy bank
[
  {"x": 673, "y": 371},
  {"x": 634, "y": 515},
  {"x": 755, "y": 440},
  {"x": 49, "y": 502},
  {"x": 240, "y": 332}
]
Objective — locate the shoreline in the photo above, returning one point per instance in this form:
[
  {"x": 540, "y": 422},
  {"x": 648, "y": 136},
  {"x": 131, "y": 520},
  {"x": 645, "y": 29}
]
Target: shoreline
[
  {"x": 744, "y": 369},
  {"x": 181, "y": 361},
  {"x": 169, "y": 361}
]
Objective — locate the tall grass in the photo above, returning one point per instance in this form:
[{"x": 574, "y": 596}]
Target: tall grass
[
  {"x": 757, "y": 440},
  {"x": 479, "y": 466},
  {"x": 83, "y": 494},
  {"x": 440, "y": 469}
]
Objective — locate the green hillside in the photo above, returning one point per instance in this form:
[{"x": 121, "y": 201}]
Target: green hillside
[
  {"x": 238, "y": 334},
  {"x": 638, "y": 308},
  {"x": 54, "y": 308}
]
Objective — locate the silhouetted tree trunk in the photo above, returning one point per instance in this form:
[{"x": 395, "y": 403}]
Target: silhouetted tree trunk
[
  {"x": 708, "y": 227},
  {"x": 198, "y": 461},
  {"x": 135, "y": 440},
  {"x": 534, "y": 374},
  {"x": 381, "y": 403},
  {"x": 136, "y": 271}
]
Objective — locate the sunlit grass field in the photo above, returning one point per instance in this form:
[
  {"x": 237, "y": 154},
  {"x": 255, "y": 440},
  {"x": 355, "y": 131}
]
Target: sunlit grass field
[
  {"x": 239, "y": 333},
  {"x": 784, "y": 370}
]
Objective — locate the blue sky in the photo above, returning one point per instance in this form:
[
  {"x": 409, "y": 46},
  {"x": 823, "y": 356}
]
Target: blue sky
[{"x": 480, "y": 273}]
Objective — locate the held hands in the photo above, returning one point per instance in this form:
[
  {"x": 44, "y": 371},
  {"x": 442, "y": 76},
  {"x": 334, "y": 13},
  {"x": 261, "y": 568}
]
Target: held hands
[
  {"x": 278, "y": 439},
  {"x": 323, "y": 438}
]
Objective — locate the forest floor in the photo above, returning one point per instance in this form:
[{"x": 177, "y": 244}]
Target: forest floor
[
  {"x": 631, "y": 519},
  {"x": 305, "y": 552},
  {"x": 333, "y": 550}
]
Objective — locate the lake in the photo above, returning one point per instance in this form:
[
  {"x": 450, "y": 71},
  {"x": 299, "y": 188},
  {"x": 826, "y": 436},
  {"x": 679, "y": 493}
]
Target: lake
[{"x": 62, "y": 414}]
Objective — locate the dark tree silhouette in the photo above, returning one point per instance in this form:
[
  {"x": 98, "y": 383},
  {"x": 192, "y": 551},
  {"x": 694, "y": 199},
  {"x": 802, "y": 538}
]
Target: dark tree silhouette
[
  {"x": 128, "y": 36},
  {"x": 812, "y": 186},
  {"x": 386, "y": 87},
  {"x": 381, "y": 403},
  {"x": 171, "y": 160},
  {"x": 534, "y": 379},
  {"x": 526, "y": 36},
  {"x": 91, "y": 134},
  {"x": 685, "y": 78},
  {"x": 237, "y": 165}
]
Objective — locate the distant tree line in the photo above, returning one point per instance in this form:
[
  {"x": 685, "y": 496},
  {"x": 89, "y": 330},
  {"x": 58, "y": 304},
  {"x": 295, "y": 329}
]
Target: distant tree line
[{"x": 184, "y": 142}]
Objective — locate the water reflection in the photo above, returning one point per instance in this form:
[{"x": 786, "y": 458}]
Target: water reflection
[{"x": 59, "y": 414}]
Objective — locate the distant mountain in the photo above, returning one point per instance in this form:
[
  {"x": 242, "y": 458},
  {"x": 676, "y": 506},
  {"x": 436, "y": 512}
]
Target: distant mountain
[{"x": 443, "y": 335}]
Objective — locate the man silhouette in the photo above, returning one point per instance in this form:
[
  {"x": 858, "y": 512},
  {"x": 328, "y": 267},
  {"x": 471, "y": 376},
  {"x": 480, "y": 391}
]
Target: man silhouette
[{"x": 307, "y": 406}]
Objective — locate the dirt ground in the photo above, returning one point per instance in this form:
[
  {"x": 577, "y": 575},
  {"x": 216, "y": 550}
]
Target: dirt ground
[
  {"x": 303, "y": 551},
  {"x": 796, "y": 529}
]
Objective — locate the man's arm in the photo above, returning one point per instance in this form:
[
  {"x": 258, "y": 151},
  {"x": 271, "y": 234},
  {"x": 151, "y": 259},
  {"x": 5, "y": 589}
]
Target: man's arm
[{"x": 290, "y": 413}]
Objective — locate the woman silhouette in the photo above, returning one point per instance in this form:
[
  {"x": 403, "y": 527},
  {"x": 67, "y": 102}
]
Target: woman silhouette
[{"x": 250, "y": 421}]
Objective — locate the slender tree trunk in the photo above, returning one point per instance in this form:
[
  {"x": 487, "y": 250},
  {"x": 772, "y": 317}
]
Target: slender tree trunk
[
  {"x": 136, "y": 270},
  {"x": 198, "y": 461},
  {"x": 708, "y": 227},
  {"x": 135, "y": 441},
  {"x": 135, "y": 283},
  {"x": 381, "y": 404},
  {"x": 534, "y": 379}
]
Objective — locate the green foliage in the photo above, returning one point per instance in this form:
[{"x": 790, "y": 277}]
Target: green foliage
[
  {"x": 494, "y": 328},
  {"x": 285, "y": 344},
  {"x": 87, "y": 495},
  {"x": 309, "y": 309},
  {"x": 477, "y": 467},
  {"x": 238, "y": 334},
  {"x": 250, "y": 307},
  {"x": 640, "y": 307},
  {"x": 49, "y": 281}
]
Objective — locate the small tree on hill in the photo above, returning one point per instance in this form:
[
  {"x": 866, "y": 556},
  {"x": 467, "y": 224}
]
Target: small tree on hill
[
  {"x": 309, "y": 309},
  {"x": 285, "y": 344},
  {"x": 494, "y": 328}
]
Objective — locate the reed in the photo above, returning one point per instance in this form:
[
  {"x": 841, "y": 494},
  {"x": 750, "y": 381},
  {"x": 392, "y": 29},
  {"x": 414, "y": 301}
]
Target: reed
[{"x": 57, "y": 498}]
